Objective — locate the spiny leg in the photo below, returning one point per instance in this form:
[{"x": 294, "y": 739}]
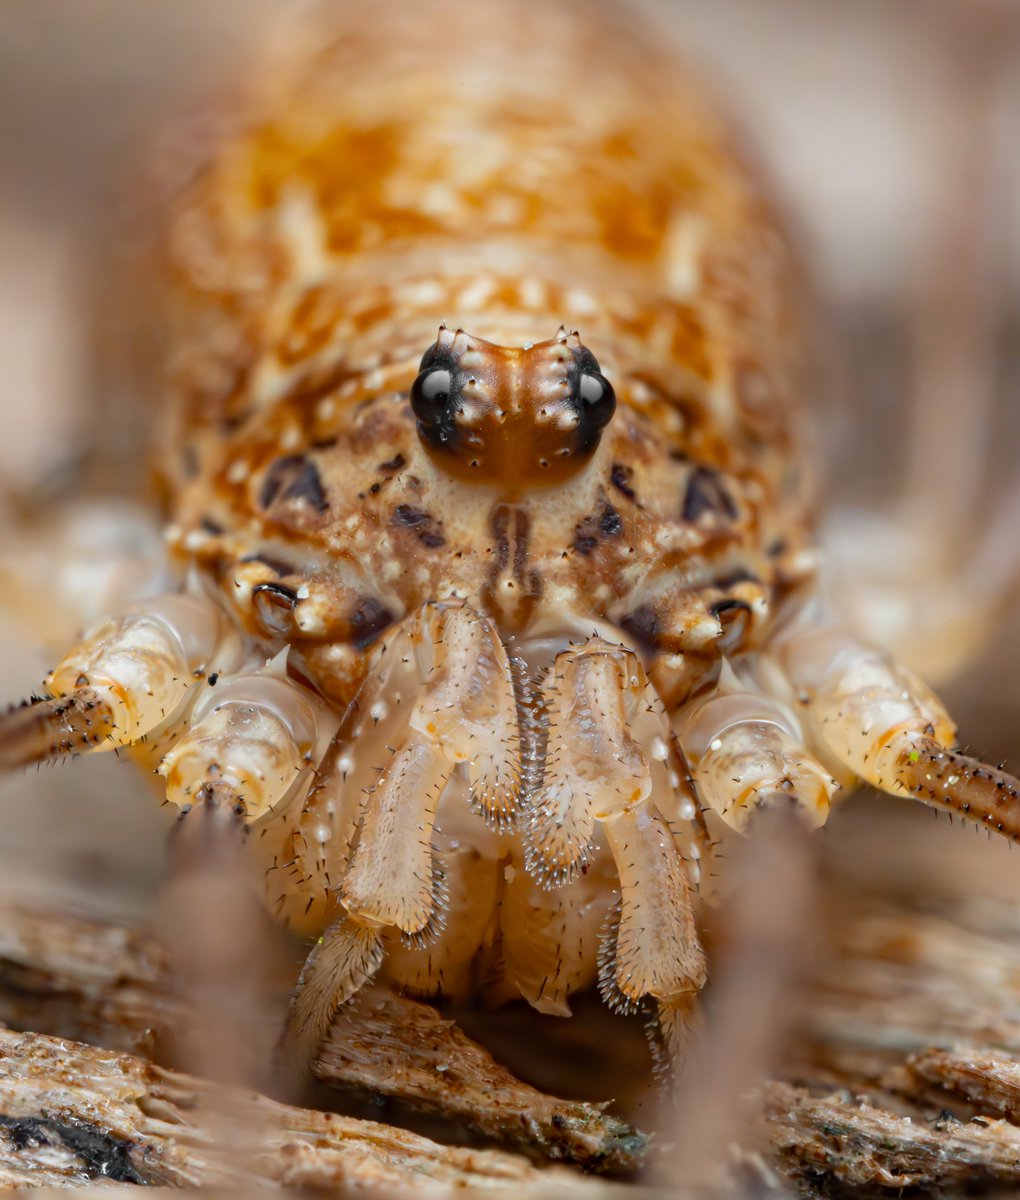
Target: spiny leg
[
  {"x": 872, "y": 717},
  {"x": 125, "y": 680},
  {"x": 768, "y": 938},
  {"x": 656, "y": 951},
  {"x": 439, "y": 695},
  {"x": 344, "y": 959},
  {"x": 240, "y": 750},
  {"x": 42, "y": 729},
  {"x": 248, "y": 749},
  {"x": 952, "y": 781},
  {"x": 446, "y": 964},
  {"x": 601, "y": 777},
  {"x": 215, "y": 930}
]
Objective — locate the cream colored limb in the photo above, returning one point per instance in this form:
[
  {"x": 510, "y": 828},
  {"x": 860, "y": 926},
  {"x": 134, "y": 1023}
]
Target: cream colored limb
[
  {"x": 439, "y": 699},
  {"x": 254, "y": 736},
  {"x": 746, "y": 749},
  {"x": 131, "y": 676},
  {"x": 868, "y": 714},
  {"x": 612, "y": 776}
]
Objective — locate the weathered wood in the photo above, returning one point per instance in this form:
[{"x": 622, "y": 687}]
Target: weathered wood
[
  {"x": 402, "y": 1048},
  {"x": 72, "y": 1114},
  {"x": 106, "y": 984},
  {"x": 863, "y": 1147}
]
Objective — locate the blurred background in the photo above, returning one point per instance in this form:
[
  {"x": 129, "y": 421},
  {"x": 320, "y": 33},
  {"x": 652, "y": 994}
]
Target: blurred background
[{"x": 892, "y": 132}]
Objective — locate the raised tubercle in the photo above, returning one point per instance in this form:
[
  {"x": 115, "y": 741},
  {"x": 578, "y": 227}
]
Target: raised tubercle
[{"x": 515, "y": 417}]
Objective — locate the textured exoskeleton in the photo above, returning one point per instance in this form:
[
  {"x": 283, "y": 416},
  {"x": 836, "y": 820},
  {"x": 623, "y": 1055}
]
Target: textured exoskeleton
[{"x": 502, "y": 620}]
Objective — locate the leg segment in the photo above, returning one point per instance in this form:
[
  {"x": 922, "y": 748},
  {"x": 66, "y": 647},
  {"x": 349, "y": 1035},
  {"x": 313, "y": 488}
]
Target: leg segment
[
  {"x": 252, "y": 736},
  {"x": 130, "y": 677},
  {"x": 746, "y": 749},
  {"x": 592, "y": 765},
  {"x": 612, "y": 773},
  {"x": 868, "y": 715},
  {"x": 460, "y": 711},
  {"x": 45, "y": 729},
  {"x": 216, "y": 932},
  {"x": 657, "y": 952},
  {"x": 343, "y": 960},
  {"x": 439, "y": 698},
  {"x": 949, "y": 780}
]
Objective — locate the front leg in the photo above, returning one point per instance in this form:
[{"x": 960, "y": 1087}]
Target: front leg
[{"x": 439, "y": 696}]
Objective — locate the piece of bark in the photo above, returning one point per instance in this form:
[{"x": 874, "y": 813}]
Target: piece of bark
[
  {"x": 105, "y": 984},
  {"x": 385, "y": 1043},
  {"x": 72, "y": 1113},
  {"x": 988, "y": 1083},
  {"x": 865, "y": 1148}
]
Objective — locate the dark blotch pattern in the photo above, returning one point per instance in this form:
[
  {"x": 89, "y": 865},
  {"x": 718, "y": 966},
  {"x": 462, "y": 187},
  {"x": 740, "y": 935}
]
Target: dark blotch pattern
[
  {"x": 593, "y": 529},
  {"x": 706, "y": 494},
  {"x": 369, "y": 620},
  {"x": 102, "y": 1155},
  {"x": 620, "y": 477},
  {"x": 428, "y": 529},
  {"x": 293, "y": 477},
  {"x": 610, "y": 523},
  {"x": 644, "y": 626}
]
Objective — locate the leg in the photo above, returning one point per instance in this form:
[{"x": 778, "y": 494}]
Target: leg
[
  {"x": 219, "y": 946},
  {"x": 867, "y": 714},
  {"x": 612, "y": 772},
  {"x": 439, "y": 696},
  {"x": 747, "y": 749},
  {"x": 130, "y": 677}
]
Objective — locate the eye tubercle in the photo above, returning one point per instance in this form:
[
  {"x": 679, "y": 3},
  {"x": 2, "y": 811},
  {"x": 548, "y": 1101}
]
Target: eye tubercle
[{"x": 510, "y": 416}]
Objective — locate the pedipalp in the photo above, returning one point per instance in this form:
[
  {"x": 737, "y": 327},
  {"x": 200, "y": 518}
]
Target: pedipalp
[
  {"x": 439, "y": 698},
  {"x": 604, "y": 783}
]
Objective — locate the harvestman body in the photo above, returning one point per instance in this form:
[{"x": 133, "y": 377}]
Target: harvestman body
[{"x": 505, "y": 623}]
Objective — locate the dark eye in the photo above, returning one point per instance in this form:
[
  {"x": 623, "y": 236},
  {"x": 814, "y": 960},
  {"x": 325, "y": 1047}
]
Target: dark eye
[
  {"x": 430, "y": 395},
  {"x": 598, "y": 400}
]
